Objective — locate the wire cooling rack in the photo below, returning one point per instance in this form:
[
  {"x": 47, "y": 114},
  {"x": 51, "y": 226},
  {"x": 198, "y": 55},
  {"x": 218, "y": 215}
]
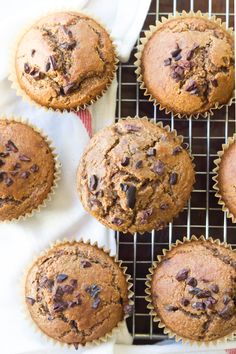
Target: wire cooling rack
[{"x": 202, "y": 214}]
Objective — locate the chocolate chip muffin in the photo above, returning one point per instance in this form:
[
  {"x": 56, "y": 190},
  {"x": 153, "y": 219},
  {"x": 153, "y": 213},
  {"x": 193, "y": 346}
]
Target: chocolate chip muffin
[
  {"x": 187, "y": 65},
  {"x": 27, "y": 169},
  {"x": 135, "y": 176},
  {"x": 76, "y": 293},
  {"x": 225, "y": 178},
  {"x": 192, "y": 290},
  {"x": 65, "y": 60}
]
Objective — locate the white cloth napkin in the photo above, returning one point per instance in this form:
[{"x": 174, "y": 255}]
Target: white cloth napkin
[{"x": 64, "y": 215}]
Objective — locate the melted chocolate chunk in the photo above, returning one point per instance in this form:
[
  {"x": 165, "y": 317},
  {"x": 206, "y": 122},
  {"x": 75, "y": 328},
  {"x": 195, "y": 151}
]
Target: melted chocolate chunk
[
  {"x": 24, "y": 174},
  {"x": 68, "y": 289},
  {"x": 145, "y": 215},
  {"x": 26, "y": 68},
  {"x": 194, "y": 291},
  {"x": 177, "y": 150},
  {"x": 4, "y": 154},
  {"x": 167, "y": 61},
  {"x": 131, "y": 196},
  {"x": 73, "y": 282},
  {"x": 68, "y": 88},
  {"x": 17, "y": 166},
  {"x": 139, "y": 164},
  {"x": 191, "y": 85},
  {"x": 86, "y": 264},
  {"x": 210, "y": 302},
  {"x": 96, "y": 303},
  {"x": 60, "y": 306},
  {"x": 93, "y": 182},
  {"x": 226, "y": 299},
  {"x": 52, "y": 61},
  {"x": 30, "y": 300},
  {"x": 173, "y": 178},
  {"x": 66, "y": 31},
  {"x": 34, "y": 168},
  {"x": 117, "y": 221},
  {"x": 132, "y": 128},
  {"x": 214, "y": 288},
  {"x": 214, "y": 82},
  {"x": 185, "y": 146},
  {"x": 61, "y": 277},
  {"x": 184, "y": 301},
  {"x": 226, "y": 313},
  {"x": 203, "y": 293},
  {"x": 68, "y": 45},
  {"x": 178, "y": 57},
  {"x": 192, "y": 282},
  {"x": 125, "y": 161},
  {"x": 47, "y": 67},
  {"x": 171, "y": 308},
  {"x": 24, "y": 158},
  {"x": 8, "y": 181},
  {"x": 159, "y": 167},
  {"x": 2, "y": 163},
  {"x": 179, "y": 70},
  {"x": 93, "y": 290},
  {"x": 124, "y": 187},
  {"x": 2, "y": 176},
  {"x": 10, "y": 146},
  {"x": 151, "y": 152},
  {"x": 175, "y": 76},
  {"x": 175, "y": 52},
  {"x": 189, "y": 54},
  {"x": 45, "y": 282},
  {"x": 182, "y": 274},
  {"x": 164, "y": 206},
  {"x": 198, "y": 305}
]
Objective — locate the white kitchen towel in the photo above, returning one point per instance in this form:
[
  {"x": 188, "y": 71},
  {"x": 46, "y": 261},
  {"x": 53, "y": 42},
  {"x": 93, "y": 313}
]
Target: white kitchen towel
[{"x": 64, "y": 215}]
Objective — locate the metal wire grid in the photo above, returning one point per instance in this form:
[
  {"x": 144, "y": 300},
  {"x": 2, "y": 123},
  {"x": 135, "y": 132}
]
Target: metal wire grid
[{"x": 202, "y": 215}]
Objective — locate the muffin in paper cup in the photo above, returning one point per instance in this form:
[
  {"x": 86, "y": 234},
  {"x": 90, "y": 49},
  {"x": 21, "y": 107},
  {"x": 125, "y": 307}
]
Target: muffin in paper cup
[
  {"x": 29, "y": 169},
  {"x": 185, "y": 64},
  {"x": 135, "y": 175},
  {"x": 55, "y": 68},
  {"x": 225, "y": 178},
  {"x": 75, "y": 293},
  {"x": 191, "y": 291}
]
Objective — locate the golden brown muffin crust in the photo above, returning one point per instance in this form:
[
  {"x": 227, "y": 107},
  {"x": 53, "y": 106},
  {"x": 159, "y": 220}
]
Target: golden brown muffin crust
[
  {"x": 188, "y": 65},
  {"x": 65, "y": 60},
  {"x": 135, "y": 176},
  {"x": 193, "y": 290},
  {"x": 76, "y": 293},
  {"x": 27, "y": 169}
]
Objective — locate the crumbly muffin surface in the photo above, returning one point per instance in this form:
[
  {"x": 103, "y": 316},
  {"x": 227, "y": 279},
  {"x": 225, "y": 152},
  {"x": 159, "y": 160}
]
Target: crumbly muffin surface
[
  {"x": 194, "y": 293},
  {"x": 27, "y": 168},
  {"x": 65, "y": 60},
  {"x": 188, "y": 65},
  {"x": 76, "y": 293},
  {"x": 135, "y": 176}
]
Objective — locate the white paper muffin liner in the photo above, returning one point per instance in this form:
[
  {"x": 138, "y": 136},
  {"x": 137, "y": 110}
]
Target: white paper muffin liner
[
  {"x": 150, "y": 305},
  {"x": 145, "y": 39}
]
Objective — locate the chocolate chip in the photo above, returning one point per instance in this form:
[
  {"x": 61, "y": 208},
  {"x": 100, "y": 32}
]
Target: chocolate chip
[
  {"x": 11, "y": 146},
  {"x": 194, "y": 291},
  {"x": 73, "y": 324},
  {"x": 177, "y": 150},
  {"x": 184, "y": 301},
  {"x": 182, "y": 274},
  {"x": 4, "y": 154},
  {"x": 128, "y": 309},
  {"x": 36, "y": 74},
  {"x": 198, "y": 305},
  {"x": 145, "y": 215},
  {"x": 192, "y": 282},
  {"x": 68, "y": 289},
  {"x": 175, "y": 52},
  {"x": 85, "y": 264},
  {"x": 60, "y": 306},
  {"x": 131, "y": 196},
  {"x": 167, "y": 62},
  {"x": 117, "y": 221},
  {"x": 132, "y": 128},
  {"x": 14, "y": 173},
  {"x": 66, "y": 31},
  {"x": 24, "y": 174},
  {"x": 179, "y": 70},
  {"x": 189, "y": 54},
  {"x": 226, "y": 299},
  {"x": 2, "y": 163},
  {"x": 158, "y": 167},
  {"x": 30, "y": 300},
  {"x": 47, "y": 67},
  {"x": 26, "y": 68},
  {"x": 3, "y": 175},
  {"x": 139, "y": 164},
  {"x": 8, "y": 181},
  {"x": 61, "y": 277},
  {"x": 210, "y": 302},
  {"x": 73, "y": 282},
  {"x": 178, "y": 57},
  {"x": 93, "y": 290},
  {"x": 69, "y": 88},
  {"x": 17, "y": 166},
  {"x": 151, "y": 152},
  {"x": 173, "y": 178},
  {"x": 214, "y": 288},
  {"x": 214, "y": 82},
  {"x": 164, "y": 206},
  {"x": 171, "y": 308},
  {"x": 45, "y": 282},
  {"x": 175, "y": 76},
  {"x": 24, "y": 158},
  {"x": 74, "y": 303},
  {"x": 52, "y": 61},
  {"x": 191, "y": 85},
  {"x": 68, "y": 45},
  {"x": 96, "y": 303},
  {"x": 124, "y": 187},
  {"x": 185, "y": 146},
  {"x": 32, "y": 52},
  {"x": 194, "y": 92},
  {"x": 226, "y": 313},
  {"x": 93, "y": 182},
  {"x": 125, "y": 161},
  {"x": 50, "y": 318},
  {"x": 34, "y": 168},
  {"x": 203, "y": 293}
]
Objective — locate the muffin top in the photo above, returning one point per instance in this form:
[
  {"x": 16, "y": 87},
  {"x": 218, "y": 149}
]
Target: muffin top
[
  {"x": 65, "y": 60},
  {"x": 27, "y": 169},
  {"x": 227, "y": 178},
  {"x": 135, "y": 176},
  {"x": 187, "y": 65},
  {"x": 193, "y": 290},
  {"x": 76, "y": 293}
]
